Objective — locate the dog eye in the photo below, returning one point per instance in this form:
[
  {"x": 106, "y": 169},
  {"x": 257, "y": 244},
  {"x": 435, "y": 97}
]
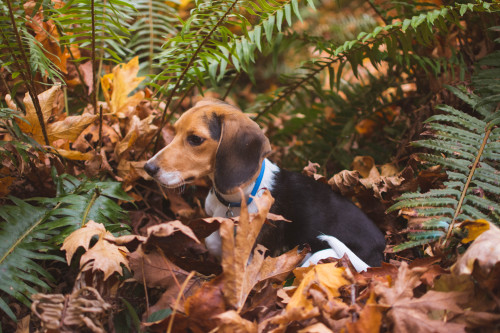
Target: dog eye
[{"x": 195, "y": 140}]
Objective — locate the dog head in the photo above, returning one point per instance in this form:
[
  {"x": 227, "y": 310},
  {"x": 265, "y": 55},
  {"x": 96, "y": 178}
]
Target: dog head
[{"x": 212, "y": 139}]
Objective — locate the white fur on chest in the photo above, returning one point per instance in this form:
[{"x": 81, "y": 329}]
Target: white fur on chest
[{"x": 215, "y": 208}]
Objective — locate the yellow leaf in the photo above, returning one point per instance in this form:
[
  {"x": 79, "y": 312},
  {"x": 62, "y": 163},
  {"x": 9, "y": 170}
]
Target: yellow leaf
[
  {"x": 75, "y": 155},
  {"x": 475, "y": 229},
  {"x": 82, "y": 237},
  {"x": 327, "y": 276},
  {"x": 484, "y": 250},
  {"x": 118, "y": 85}
]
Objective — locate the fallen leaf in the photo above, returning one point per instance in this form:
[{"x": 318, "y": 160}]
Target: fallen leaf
[
  {"x": 105, "y": 257},
  {"x": 326, "y": 277},
  {"x": 231, "y": 322},
  {"x": 370, "y": 318},
  {"x": 240, "y": 272},
  {"x": 316, "y": 328},
  {"x": 484, "y": 250},
  {"x": 474, "y": 228},
  {"x": 411, "y": 314},
  {"x": 82, "y": 237},
  {"x": 117, "y": 86}
]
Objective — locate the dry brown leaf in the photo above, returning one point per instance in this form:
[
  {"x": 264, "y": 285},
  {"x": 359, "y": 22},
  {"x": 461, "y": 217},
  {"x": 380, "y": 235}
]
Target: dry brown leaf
[
  {"x": 169, "y": 228},
  {"x": 139, "y": 134},
  {"x": 241, "y": 273},
  {"x": 31, "y": 125},
  {"x": 482, "y": 260},
  {"x": 231, "y": 322},
  {"x": 119, "y": 84},
  {"x": 316, "y": 328},
  {"x": 70, "y": 128},
  {"x": 46, "y": 33},
  {"x": 410, "y": 314},
  {"x": 105, "y": 257},
  {"x": 155, "y": 270},
  {"x": 65, "y": 130},
  {"x": 82, "y": 237}
]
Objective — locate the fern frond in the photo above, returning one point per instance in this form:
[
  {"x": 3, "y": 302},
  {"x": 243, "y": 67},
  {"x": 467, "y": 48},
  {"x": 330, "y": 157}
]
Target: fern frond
[
  {"x": 74, "y": 21},
  {"x": 33, "y": 229},
  {"x": 472, "y": 172},
  {"x": 23, "y": 239}
]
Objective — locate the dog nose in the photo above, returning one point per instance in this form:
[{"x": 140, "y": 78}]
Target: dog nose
[{"x": 151, "y": 168}]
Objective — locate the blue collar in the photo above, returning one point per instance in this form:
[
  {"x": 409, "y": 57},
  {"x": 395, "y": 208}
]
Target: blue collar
[{"x": 256, "y": 187}]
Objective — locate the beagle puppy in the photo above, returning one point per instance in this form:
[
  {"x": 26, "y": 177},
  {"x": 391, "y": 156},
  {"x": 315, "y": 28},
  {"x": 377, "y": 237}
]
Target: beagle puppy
[{"x": 218, "y": 140}]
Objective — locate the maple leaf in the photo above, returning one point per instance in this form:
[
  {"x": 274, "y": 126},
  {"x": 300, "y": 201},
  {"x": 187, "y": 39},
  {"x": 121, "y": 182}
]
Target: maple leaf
[
  {"x": 105, "y": 256},
  {"x": 411, "y": 314},
  {"x": 119, "y": 84},
  {"x": 46, "y": 33},
  {"x": 82, "y": 237},
  {"x": 66, "y": 130}
]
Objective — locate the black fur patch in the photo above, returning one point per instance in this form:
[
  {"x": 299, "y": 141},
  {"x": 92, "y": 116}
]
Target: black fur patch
[
  {"x": 215, "y": 126},
  {"x": 315, "y": 209}
]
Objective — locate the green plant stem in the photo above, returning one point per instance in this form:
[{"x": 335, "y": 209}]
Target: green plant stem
[
  {"x": 89, "y": 206},
  {"x": 27, "y": 74},
  {"x": 466, "y": 186},
  {"x": 184, "y": 72}
]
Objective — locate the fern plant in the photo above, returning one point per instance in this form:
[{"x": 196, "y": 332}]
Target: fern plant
[
  {"x": 206, "y": 45},
  {"x": 32, "y": 230},
  {"x": 467, "y": 146}
]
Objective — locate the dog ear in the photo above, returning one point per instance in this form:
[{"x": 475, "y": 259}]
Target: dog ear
[{"x": 242, "y": 147}]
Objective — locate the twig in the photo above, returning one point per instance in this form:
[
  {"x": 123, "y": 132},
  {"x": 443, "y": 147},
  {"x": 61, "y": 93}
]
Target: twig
[
  {"x": 99, "y": 144},
  {"x": 27, "y": 74},
  {"x": 231, "y": 85},
  {"x": 92, "y": 51},
  {"x": 145, "y": 286},
  {"x": 181, "y": 292}
]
